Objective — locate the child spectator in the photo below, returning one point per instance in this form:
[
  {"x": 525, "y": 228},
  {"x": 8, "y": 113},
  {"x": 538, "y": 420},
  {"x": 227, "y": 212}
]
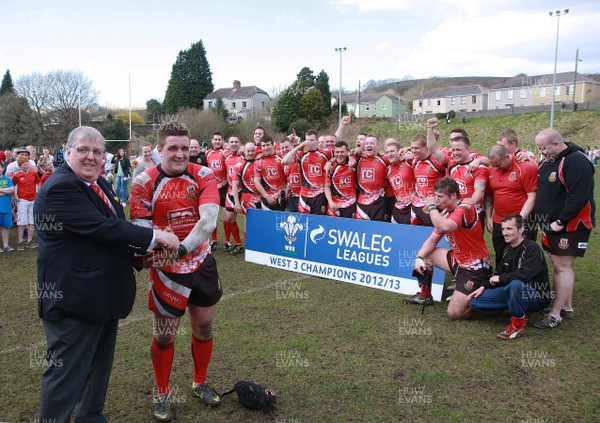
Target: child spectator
[
  {"x": 6, "y": 191},
  {"x": 26, "y": 185}
]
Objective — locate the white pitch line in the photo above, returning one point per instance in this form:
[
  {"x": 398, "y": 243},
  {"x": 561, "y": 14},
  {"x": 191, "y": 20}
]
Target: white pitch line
[{"x": 134, "y": 319}]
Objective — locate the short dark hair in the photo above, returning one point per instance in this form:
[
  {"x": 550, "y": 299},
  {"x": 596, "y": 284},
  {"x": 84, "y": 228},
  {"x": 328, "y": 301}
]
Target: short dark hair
[
  {"x": 420, "y": 138},
  {"x": 311, "y": 132},
  {"x": 216, "y": 133},
  {"x": 510, "y": 135},
  {"x": 448, "y": 186},
  {"x": 172, "y": 128},
  {"x": 518, "y": 218},
  {"x": 463, "y": 135},
  {"x": 341, "y": 144}
]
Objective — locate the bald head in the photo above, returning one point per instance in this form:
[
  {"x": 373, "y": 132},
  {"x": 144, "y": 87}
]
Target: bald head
[
  {"x": 497, "y": 151},
  {"x": 550, "y": 142}
]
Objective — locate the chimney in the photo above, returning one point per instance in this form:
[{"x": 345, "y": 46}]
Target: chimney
[{"x": 236, "y": 84}]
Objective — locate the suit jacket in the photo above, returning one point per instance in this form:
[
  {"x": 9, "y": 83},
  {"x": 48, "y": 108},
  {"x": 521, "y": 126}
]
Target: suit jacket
[{"x": 84, "y": 251}]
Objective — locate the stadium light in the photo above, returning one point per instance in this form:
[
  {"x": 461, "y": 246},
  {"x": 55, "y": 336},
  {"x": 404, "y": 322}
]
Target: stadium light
[
  {"x": 340, "y": 50},
  {"x": 556, "y": 14}
]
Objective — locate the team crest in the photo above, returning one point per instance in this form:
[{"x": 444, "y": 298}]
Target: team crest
[
  {"x": 563, "y": 244},
  {"x": 469, "y": 285},
  {"x": 512, "y": 177},
  {"x": 552, "y": 177},
  {"x": 192, "y": 193},
  {"x": 428, "y": 169}
]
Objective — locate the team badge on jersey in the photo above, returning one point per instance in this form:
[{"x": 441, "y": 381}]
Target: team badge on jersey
[
  {"x": 552, "y": 177},
  {"x": 563, "y": 244},
  {"x": 469, "y": 285},
  {"x": 512, "y": 177},
  {"x": 192, "y": 192}
]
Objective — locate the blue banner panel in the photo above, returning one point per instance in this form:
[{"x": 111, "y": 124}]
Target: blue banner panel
[{"x": 374, "y": 254}]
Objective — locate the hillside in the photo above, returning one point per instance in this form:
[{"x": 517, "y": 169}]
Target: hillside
[{"x": 582, "y": 127}]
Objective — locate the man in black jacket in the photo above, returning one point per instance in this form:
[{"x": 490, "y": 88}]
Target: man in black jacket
[
  {"x": 85, "y": 278},
  {"x": 521, "y": 283},
  {"x": 565, "y": 210}
]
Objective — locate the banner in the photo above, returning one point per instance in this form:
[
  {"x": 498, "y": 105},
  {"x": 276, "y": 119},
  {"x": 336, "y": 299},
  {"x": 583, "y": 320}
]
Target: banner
[{"x": 374, "y": 254}]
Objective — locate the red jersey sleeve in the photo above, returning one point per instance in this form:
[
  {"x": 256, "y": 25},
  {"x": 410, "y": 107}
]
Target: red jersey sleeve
[{"x": 530, "y": 178}]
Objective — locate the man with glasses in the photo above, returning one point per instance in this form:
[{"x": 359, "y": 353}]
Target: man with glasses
[{"x": 85, "y": 278}]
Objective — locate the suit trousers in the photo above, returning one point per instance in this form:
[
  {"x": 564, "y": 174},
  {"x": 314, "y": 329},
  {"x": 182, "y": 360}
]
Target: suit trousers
[{"x": 80, "y": 358}]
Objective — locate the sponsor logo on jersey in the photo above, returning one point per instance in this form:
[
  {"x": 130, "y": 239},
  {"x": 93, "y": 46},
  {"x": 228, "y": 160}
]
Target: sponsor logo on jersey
[
  {"x": 272, "y": 172},
  {"x": 582, "y": 245},
  {"x": 367, "y": 175},
  {"x": 314, "y": 170}
]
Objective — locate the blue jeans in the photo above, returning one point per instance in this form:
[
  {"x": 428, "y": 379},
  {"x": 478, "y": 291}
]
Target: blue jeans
[
  {"x": 121, "y": 188},
  {"x": 517, "y": 296}
]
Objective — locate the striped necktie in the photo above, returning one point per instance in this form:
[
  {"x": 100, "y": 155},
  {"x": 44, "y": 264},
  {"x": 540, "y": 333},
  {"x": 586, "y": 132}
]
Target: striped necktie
[{"x": 96, "y": 188}]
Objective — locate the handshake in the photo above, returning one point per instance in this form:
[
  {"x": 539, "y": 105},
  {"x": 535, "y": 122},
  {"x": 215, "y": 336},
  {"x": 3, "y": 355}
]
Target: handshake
[{"x": 167, "y": 240}]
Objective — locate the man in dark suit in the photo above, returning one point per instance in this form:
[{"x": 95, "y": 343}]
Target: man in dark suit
[{"x": 85, "y": 278}]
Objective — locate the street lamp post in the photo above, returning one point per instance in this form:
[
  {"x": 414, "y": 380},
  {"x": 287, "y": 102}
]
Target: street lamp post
[
  {"x": 340, "y": 50},
  {"x": 577, "y": 60},
  {"x": 556, "y": 14}
]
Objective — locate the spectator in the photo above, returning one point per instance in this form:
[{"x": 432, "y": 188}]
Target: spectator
[
  {"x": 122, "y": 171},
  {"x": 27, "y": 183},
  {"x": 145, "y": 161},
  {"x": 7, "y": 190}
]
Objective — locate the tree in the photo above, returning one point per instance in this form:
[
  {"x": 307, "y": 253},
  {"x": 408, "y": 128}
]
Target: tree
[
  {"x": 154, "y": 109},
  {"x": 312, "y": 107},
  {"x": 220, "y": 109},
  {"x": 7, "y": 84},
  {"x": 305, "y": 80},
  {"x": 322, "y": 84},
  {"x": 16, "y": 121},
  {"x": 54, "y": 98},
  {"x": 115, "y": 130},
  {"x": 136, "y": 118},
  {"x": 190, "y": 81},
  {"x": 287, "y": 109}
]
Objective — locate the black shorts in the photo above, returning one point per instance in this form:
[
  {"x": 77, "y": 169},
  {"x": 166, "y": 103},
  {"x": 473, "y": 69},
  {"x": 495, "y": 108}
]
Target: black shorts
[
  {"x": 401, "y": 215},
  {"x": 222, "y": 195},
  {"x": 420, "y": 216},
  {"x": 375, "y": 211},
  {"x": 204, "y": 282},
  {"x": 292, "y": 204},
  {"x": 566, "y": 243},
  {"x": 278, "y": 206},
  {"x": 467, "y": 280},
  {"x": 389, "y": 208},
  {"x": 347, "y": 212},
  {"x": 313, "y": 205}
]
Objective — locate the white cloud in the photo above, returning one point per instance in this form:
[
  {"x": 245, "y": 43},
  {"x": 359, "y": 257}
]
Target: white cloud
[{"x": 384, "y": 45}]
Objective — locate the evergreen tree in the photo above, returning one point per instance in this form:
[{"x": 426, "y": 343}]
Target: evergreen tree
[
  {"x": 286, "y": 110},
  {"x": 7, "y": 84},
  {"x": 154, "y": 110},
  {"x": 190, "y": 81},
  {"x": 305, "y": 80},
  {"x": 312, "y": 107},
  {"x": 322, "y": 84}
]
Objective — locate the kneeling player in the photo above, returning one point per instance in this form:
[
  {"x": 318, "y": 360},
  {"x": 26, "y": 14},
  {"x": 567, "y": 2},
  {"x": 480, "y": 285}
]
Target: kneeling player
[
  {"x": 468, "y": 258},
  {"x": 183, "y": 197}
]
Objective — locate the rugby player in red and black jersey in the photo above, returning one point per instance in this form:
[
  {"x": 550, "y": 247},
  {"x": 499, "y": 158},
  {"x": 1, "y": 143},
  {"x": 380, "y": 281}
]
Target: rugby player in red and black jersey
[
  {"x": 468, "y": 258},
  {"x": 182, "y": 197},
  {"x": 215, "y": 160},
  {"x": 243, "y": 182},
  {"x": 292, "y": 178},
  {"x": 269, "y": 177},
  {"x": 340, "y": 185},
  {"x": 229, "y": 221},
  {"x": 402, "y": 180},
  {"x": 511, "y": 189},
  {"x": 371, "y": 169},
  {"x": 312, "y": 162},
  {"x": 428, "y": 170}
]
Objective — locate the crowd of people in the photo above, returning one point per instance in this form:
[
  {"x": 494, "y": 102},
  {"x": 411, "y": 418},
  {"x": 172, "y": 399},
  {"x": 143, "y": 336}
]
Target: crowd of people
[{"x": 179, "y": 188}]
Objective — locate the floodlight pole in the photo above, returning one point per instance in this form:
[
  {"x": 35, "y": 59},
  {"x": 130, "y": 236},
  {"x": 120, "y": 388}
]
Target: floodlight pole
[
  {"x": 556, "y": 14},
  {"x": 340, "y": 50}
]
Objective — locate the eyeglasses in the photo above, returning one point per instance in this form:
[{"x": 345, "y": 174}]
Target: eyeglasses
[{"x": 86, "y": 150}]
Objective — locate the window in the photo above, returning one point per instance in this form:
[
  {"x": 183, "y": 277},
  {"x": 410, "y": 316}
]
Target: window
[
  {"x": 244, "y": 104},
  {"x": 439, "y": 102},
  {"x": 383, "y": 106},
  {"x": 498, "y": 94},
  {"x": 474, "y": 99},
  {"x": 233, "y": 104},
  {"x": 463, "y": 100},
  {"x": 429, "y": 102},
  {"x": 368, "y": 107},
  {"x": 523, "y": 93},
  {"x": 570, "y": 89},
  {"x": 509, "y": 94},
  {"x": 420, "y": 103},
  {"x": 543, "y": 92},
  {"x": 557, "y": 90},
  {"x": 210, "y": 104},
  {"x": 453, "y": 101}
]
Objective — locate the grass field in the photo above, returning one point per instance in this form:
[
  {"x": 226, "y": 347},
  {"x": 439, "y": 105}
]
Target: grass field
[{"x": 334, "y": 352}]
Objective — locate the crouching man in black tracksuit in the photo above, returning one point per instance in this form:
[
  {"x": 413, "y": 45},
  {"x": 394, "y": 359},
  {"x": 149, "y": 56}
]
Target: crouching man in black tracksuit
[{"x": 521, "y": 282}]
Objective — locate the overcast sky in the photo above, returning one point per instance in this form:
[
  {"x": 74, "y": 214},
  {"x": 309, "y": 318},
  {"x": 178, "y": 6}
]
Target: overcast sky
[{"x": 266, "y": 43}]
